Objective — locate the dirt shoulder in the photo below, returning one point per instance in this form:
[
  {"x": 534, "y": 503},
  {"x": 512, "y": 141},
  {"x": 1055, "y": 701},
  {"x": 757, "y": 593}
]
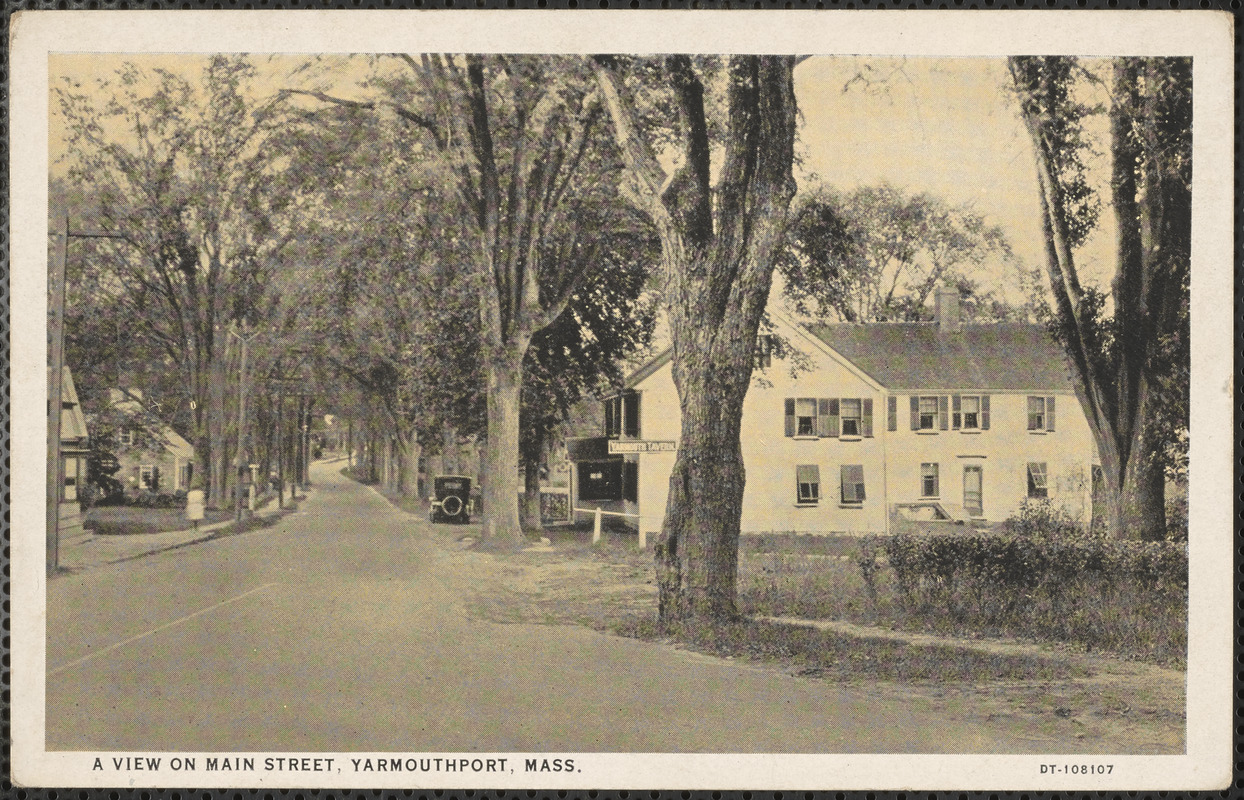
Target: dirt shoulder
[{"x": 1094, "y": 705}]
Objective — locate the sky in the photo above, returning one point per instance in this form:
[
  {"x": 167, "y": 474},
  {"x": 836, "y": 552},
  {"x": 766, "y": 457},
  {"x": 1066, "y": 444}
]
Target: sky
[{"x": 945, "y": 126}]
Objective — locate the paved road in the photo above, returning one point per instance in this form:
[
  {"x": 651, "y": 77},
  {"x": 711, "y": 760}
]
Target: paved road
[{"x": 332, "y": 632}]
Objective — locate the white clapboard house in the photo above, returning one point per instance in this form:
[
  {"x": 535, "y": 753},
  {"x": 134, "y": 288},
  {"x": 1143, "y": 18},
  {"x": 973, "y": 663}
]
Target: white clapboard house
[{"x": 931, "y": 421}]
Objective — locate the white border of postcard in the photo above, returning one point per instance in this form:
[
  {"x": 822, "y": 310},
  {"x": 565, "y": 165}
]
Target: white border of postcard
[{"x": 1205, "y": 35}]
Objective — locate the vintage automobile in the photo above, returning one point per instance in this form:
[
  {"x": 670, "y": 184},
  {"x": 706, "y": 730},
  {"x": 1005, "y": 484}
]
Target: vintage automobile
[{"x": 451, "y": 498}]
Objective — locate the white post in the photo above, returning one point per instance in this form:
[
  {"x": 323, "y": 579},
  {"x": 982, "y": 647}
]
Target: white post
[
  {"x": 643, "y": 538},
  {"x": 596, "y": 527}
]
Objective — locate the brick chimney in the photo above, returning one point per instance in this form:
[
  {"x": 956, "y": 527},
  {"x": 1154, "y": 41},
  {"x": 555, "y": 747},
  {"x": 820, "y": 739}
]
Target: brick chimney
[{"x": 946, "y": 308}]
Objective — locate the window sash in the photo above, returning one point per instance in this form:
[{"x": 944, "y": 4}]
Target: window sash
[
  {"x": 852, "y": 416},
  {"x": 928, "y": 413},
  {"x": 970, "y": 406},
  {"x": 805, "y": 417},
  {"x": 928, "y": 480},
  {"x": 1036, "y": 413},
  {"x": 808, "y": 483}
]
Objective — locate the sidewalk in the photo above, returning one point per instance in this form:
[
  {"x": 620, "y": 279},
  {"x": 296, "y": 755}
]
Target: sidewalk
[{"x": 89, "y": 551}]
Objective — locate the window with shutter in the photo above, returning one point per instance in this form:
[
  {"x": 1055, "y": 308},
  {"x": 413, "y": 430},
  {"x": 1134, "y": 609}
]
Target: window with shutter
[
  {"x": 1036, "y": 413},
  {"x": 630, "y": 408},
  {"x": 891, "y": 408},
  {"x": 929, "y": 412},
  {"x": 807, "y": 483}
]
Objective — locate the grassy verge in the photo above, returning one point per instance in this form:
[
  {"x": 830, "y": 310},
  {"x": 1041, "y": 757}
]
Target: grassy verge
[{"x": 130, "y": 520}]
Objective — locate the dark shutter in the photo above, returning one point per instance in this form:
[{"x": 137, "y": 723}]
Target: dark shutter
[
  {"x": 790, "y": 416},
  {"x": 833, "y": 416},
  {"x": 822, "y": 418},
  {"x": 915, "y": 413},
  {"x": 630, "y": 481},
  {"x": 891, "y": 413},
  {"x": 609, "y": 417},
  {"x": 984, "y": 412},
  {"x": 1049, "y": 413},
  {"x": 956, "y": 412},
  {"x": 943, "y": 409},
  {"x": 868, "y": 416},
  {"x": 630, "y": 409}
]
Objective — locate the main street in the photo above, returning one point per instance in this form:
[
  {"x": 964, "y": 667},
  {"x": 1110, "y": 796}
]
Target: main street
[{"x": 334, "y": 630}]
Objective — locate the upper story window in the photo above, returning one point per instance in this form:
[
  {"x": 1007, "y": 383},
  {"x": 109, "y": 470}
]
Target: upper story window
[
  {"x": 970, "y": 412},
  {"x": 1040, "y": 413},
  {"x": 929, "y": 412},
  {"x": 829, "y": 416},
  {"x": 805, "y": 416},
  {"x": 128, "y": 437},
  {"x": 622, "y": 415},
  {"x": 852, "y": 417}
]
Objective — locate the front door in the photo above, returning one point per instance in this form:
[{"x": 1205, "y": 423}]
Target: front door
[{"x": 973, "y": 502}]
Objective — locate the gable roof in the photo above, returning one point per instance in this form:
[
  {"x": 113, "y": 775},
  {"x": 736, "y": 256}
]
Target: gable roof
[
  {"x": 643, "y": 373},
  {"x": 72, "y": 420},
  {"x": 904, "y": 356}
]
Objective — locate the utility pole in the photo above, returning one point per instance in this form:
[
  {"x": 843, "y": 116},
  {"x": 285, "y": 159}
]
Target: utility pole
[
  {"x": 243, "y": 432},
  {"x": 56, "y": 366}
]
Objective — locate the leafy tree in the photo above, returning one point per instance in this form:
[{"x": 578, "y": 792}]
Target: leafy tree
[
  {"x": 606, "y": 321},
  {"x": 189, "y": 175},
  {"x": 875, "y": 254},
  {"x": 1128, "y": 349},
  {"x": 514, "y": 139},
  {"x": 719, "y": 241}
]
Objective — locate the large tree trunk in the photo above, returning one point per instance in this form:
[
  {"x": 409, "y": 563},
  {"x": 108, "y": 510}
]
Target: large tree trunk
[
  {"x": 1135, "y": 493},
  {"x": 697, "y": 551},
  {"x": 532, "y": 518},
  {"x": 500, "y": 479},
  {"x": 718, "y": 246},
  {"x": 218, "y": 470},
  {"x": 408, "y": 471}
]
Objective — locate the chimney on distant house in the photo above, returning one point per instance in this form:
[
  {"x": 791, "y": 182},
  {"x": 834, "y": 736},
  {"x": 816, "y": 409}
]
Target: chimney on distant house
[{"x": 946, "y": 308}]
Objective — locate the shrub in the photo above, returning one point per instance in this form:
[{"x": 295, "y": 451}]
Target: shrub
[
  {"x": 1043, "y": 518},
  {"x": 1118, "y": 595}
]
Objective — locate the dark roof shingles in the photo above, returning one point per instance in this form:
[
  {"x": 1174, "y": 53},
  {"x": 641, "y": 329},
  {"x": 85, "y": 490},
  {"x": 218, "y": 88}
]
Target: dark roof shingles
[{"x": 917, "y": 355}]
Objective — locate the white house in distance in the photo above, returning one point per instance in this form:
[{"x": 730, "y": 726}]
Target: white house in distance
[
  {"x": 161, "y": 461},
  {"x": 929, "y": 420}
]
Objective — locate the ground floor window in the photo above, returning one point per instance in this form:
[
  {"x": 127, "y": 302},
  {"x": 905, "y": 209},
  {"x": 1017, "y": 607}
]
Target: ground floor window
[
  {"x": 808, "y": 483},
  {"x": 185, "y": 475},
  {"x": 1038, "y": 488},
  {"x": 852, "y": 484},
  {"x": 149, "y": 477},
  {"x": 928, "y": 480}
]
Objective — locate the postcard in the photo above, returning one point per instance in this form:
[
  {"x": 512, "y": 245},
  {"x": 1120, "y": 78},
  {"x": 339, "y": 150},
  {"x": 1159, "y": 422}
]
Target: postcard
[{"x": 622, "y": 400}]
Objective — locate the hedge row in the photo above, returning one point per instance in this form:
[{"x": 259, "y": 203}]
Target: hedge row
[{"x": 1121, "y": 595}]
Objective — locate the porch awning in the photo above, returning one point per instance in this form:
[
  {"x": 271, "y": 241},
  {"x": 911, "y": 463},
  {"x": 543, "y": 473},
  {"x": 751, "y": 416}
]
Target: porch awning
[{"x": 595, "y": 448}]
